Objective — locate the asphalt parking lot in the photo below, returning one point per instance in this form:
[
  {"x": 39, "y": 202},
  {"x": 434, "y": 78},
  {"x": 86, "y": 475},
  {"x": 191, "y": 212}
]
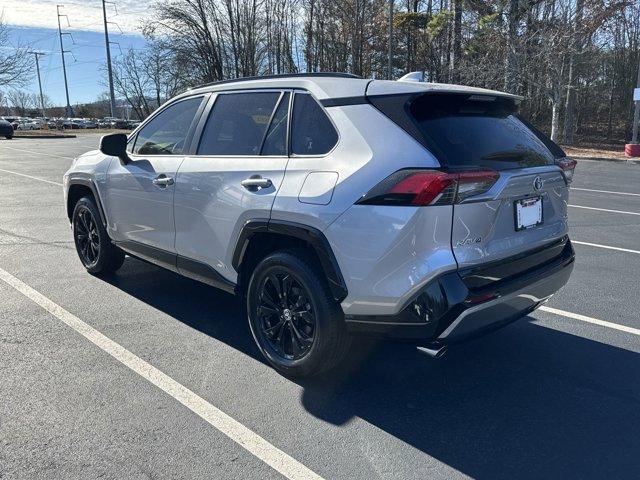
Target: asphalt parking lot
[{"x": 555, "y": 395}]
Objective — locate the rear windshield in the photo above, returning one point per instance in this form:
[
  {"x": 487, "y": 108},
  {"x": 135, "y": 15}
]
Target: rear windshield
[{"x": 470, "y": 131}]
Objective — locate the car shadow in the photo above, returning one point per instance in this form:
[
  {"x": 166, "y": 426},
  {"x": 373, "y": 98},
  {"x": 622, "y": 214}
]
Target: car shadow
[{"x": 525, "y": 402}]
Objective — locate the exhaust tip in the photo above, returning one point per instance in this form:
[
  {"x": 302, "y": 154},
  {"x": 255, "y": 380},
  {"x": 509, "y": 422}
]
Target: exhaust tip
[{"x": 435, "y": 351}]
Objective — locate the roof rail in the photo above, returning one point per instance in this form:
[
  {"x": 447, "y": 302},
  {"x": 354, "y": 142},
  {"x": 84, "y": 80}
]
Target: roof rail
[{"x": 279, "y": 75}]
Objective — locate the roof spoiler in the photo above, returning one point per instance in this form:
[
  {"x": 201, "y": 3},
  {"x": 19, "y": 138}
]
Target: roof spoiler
[{"x": 419, "y": 77}]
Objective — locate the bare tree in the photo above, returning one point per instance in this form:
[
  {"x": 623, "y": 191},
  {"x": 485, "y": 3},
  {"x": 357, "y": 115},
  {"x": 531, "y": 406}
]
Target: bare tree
[
  {"x": 573, "y": 60},
  {"x": 21, "y": 101},
  {"x": 35, "y": 104},
  {"x": 15, "y": 62},
  {"x": 574, "y": 53},
  {"x": 131, "y": 82}
]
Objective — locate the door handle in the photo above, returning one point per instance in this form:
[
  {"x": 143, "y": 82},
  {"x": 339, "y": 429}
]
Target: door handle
[
  {"x": 163, "y": 181},
  {"x": 254, "y": 182}
]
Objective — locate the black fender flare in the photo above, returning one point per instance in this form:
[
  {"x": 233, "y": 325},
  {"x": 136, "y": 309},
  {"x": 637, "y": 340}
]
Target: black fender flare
[
  {"x": 94, "y": 189},
  {"x": 314, "y": 237}
]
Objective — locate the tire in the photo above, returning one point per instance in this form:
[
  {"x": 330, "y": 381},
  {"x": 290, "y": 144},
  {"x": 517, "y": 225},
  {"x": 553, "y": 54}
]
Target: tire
[
  {"x": 93, "y": 245},
  {"x": 313, "y": 314},
  {"x": 9, "y": 137}
]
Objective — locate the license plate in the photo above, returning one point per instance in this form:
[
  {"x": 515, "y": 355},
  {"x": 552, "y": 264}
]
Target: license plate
[{"x": 528, "y": 212}]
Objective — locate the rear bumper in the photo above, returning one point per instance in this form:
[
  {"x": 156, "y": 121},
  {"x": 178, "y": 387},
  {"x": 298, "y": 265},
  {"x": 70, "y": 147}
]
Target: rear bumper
[{"x": 460, "y": 305}]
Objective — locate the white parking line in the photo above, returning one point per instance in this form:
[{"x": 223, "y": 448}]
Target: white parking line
[
  {"x": 605, "y": 191},
  {"x": 628, "y": 250},
  {"x": 243, "y": 436},
  {"x": 605, "y": 210},
  {"x": 37, "y": 153},
  {"x": 594, "y": 321},
  {"x": 31, "y": 177}
]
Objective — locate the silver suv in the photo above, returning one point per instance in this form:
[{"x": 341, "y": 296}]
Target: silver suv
[{"x": 336, "y": 205}]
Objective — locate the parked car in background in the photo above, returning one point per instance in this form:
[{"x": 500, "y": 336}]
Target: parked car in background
[
  {"x": 64, "y": 123},
  {"x": 90, "y": 123},
  {"x": 28, "y": 125},
  {"x": 334, "y": 205},
  {"x": 13, "y": 121},
  {"x": 107, "y": 122},
  {"x": 6, "y": 129}
]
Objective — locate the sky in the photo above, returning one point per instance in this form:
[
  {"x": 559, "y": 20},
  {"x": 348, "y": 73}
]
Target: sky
[{"x": 33, "y": 23}]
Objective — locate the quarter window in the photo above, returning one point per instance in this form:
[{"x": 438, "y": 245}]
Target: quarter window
[
  {"x": 312, "y": 132},
  {"x": 238, "y": 123},
  {"x": 166, "y": 133}
]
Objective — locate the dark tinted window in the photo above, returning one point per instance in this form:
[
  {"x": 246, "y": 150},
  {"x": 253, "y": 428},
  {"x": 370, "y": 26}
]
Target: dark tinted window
[
  {"x": 473, "y": 131},
  {"x": 238, "y": 123},
  {"x": 311, "y": 130},
  {"x": 166, "y": 133},
  {"x": 275, "y": 143}
]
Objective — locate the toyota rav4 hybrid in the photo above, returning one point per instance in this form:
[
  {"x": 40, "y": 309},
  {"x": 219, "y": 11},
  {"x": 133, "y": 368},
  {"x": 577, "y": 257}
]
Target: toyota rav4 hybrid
[{"x": 336, "y": 205}]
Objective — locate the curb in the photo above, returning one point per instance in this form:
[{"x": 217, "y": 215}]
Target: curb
[
  {"x": 59, "y": 135},
  {"x": 605, "y": 159}
]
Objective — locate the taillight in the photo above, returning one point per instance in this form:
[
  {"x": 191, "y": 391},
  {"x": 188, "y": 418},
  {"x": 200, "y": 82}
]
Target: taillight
[
  {"x": 412, "y": 187},
  {"x": 568, "y": 166},
  {"x": 473, "y": 183}
]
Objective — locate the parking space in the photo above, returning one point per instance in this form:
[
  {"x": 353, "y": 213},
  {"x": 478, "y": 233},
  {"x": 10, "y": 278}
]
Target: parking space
[{"x": 550, "y": 396}]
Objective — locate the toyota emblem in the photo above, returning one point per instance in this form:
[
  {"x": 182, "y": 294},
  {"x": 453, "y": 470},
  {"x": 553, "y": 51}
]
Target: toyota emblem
[{"x": 538, "y": 183}]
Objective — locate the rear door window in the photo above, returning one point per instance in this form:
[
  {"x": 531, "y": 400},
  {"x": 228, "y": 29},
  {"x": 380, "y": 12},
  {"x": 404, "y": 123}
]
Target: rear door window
[
  {"x": 238, "y": 123},
  {"x": 312, "y": 133}
]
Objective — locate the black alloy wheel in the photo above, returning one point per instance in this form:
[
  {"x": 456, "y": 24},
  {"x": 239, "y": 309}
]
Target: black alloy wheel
[
  {"x": 296, "y": 323},
  {"x": 86, "y": 236},
  {"x": 95, "y": 249},
  {"x": 286, "y": 316}
]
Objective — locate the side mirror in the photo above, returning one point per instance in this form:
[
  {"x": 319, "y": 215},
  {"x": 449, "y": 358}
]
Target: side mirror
[{"x": 115, "y": 145}]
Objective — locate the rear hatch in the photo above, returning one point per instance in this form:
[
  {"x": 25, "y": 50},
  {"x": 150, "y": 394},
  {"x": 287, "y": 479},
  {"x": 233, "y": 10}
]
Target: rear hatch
[{"x": 526, "y": 205}]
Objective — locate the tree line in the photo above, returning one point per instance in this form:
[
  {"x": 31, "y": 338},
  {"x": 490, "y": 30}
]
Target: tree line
[{"x": 574, "y": 61}]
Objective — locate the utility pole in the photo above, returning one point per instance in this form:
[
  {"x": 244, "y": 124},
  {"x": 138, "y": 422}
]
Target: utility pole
[
  {"x": 112, "y": 97},
  {"x": 68, "y": 109},
  {"x": 390, "y": 61},
  {"x": 633, "y": 149},
  {"x": 39, "y": 82},
  {"x": 636, "y": 112}
]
